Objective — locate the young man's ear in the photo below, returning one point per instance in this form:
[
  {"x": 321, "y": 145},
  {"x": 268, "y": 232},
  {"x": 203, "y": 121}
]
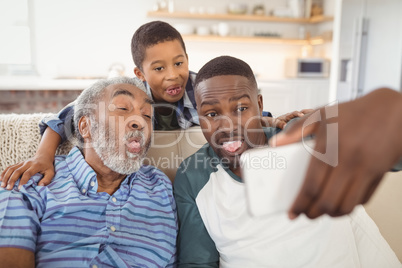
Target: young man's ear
[
  {"x": 139, "y": 74},
  {"x": 260, "y": 103},
  {"x": 84, "y": 126}
]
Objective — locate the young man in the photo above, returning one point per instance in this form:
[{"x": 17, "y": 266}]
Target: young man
[
  {"x": 215, "y": 227},
  {"x": 103, "y": 208}
]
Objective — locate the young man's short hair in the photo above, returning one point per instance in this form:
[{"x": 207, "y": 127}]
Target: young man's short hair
[
  {"x": 225, "y": 65},
  {"x": 150, "y": 34}
]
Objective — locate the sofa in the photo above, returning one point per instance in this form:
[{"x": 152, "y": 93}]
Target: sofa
[{"x": 19, "y": 139}]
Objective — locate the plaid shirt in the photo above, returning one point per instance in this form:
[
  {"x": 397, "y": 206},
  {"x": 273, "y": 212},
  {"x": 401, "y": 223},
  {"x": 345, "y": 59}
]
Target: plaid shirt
[{"x": 186, "y": 111}]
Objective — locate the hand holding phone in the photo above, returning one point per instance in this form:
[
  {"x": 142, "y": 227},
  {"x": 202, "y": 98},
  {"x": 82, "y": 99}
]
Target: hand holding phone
[{"x": 273, "y": 176}]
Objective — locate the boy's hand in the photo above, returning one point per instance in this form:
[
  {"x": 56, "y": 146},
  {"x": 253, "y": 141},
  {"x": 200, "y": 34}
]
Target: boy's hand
[
  {"x": 368, "y": 141},
  {"x": 281, "y": 121},
  {"x": 37, "y": 164}
]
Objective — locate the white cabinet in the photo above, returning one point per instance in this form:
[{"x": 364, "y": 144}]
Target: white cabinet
[
  {"x": 278, "y": 98},
  {"x": 285, "y": 96}
]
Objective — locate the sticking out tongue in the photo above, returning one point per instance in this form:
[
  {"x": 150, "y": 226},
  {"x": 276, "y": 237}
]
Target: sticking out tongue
[
  {"x": 173, "y": 91},
  {"x": 231, "y": 146}
]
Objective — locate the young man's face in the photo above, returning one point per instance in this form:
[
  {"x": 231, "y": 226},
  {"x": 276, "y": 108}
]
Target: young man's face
[
  {"x": 229, "y": 108},
  {"x": 165, "y": 68}
]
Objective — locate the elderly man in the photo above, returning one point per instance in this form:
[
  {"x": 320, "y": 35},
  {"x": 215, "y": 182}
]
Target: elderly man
[
  {"x": 216, "y": 229},
  {"x": 103, "y": 208}
]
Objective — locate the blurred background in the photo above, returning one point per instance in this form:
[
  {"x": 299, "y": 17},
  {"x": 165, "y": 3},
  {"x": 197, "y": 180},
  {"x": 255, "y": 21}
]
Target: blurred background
[{"x": 305, "y": 53}]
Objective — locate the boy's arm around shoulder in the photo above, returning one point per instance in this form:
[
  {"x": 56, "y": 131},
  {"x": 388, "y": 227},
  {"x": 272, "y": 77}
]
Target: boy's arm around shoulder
[
  {"x": 195, "y": 246},
  {"x": 41, "y": 162},
  {"x": 55, "y": 129},
  {"x": 61, "y": 123}
]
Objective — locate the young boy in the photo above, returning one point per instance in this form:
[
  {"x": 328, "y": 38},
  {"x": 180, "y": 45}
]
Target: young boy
[
  {"x": 161, "y": 60},
  {"x": 215, "y": 227}
]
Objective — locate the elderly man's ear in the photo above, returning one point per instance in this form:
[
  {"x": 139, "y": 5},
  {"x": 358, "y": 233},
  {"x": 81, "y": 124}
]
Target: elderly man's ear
[{"x": 84, "y": 126}]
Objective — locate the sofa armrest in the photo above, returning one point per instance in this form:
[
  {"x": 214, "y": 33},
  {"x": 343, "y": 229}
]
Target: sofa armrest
[{"x": 20, "y": 137}]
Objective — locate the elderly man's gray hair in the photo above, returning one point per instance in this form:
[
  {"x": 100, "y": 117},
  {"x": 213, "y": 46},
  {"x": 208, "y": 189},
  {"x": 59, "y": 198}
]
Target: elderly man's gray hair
[{"x": 87, "y": 102}]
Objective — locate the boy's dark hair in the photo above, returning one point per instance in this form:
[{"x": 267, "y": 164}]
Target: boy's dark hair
[
  {"x": 225, "y": 65},
  {"x": 150, "y": 34}
]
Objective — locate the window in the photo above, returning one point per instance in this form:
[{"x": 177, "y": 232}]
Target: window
[{"x": 15, "y": 47}]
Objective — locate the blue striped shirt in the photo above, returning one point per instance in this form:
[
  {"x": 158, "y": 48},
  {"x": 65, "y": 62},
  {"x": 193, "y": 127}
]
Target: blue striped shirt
[{"x": 69, "y": 224}]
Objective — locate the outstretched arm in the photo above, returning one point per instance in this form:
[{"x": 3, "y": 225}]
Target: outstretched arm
[{"x": 368, "y": 141}]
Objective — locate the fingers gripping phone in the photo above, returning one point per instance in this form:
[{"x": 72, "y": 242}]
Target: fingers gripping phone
[{"x": 273, "y": 176}]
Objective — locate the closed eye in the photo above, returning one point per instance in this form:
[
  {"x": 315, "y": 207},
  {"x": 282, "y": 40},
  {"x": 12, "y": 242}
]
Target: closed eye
[{"x": 122, "y": 108}]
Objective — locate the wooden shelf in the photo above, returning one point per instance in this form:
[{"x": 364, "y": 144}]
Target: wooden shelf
[
  {"x": 270, "y": 40},
  {"x": 318, "y": 40},
  {"x": 186, "y": 15}
]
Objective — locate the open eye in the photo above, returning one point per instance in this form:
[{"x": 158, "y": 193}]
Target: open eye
[
  {"x": 241, "y": 109},
  {"x": 179, "y": 63},
  {"x": 213, "y": 114},
  {"x": 158, "y": 69}
]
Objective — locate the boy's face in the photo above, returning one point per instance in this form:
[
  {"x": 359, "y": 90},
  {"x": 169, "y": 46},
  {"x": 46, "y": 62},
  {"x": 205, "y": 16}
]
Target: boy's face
[
  {"x": 229, "y": 108},
  {"x": 165, "y": 68}
]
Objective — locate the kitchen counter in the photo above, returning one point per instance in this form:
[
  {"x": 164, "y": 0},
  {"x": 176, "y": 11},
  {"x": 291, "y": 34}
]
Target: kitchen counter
[
  {"x": 40, "y": 83},
  {"x": 263, "y": 82},
  {"x": 22, "y": 94},
  {"x": 283, "y": 96}
]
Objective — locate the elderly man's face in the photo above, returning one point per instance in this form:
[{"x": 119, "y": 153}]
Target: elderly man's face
[
  {"x": 229, "y": 108},
  {"x": 121, "y": 131}
]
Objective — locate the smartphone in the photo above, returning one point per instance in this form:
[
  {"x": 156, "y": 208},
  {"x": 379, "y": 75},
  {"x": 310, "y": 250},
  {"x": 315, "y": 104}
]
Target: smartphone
[{"x": 273, "y": 176}]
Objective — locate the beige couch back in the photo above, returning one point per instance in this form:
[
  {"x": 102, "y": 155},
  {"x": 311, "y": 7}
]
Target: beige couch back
[
  {"x": 170, "y": 148},
  {"x": 19, "y": 139}
]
